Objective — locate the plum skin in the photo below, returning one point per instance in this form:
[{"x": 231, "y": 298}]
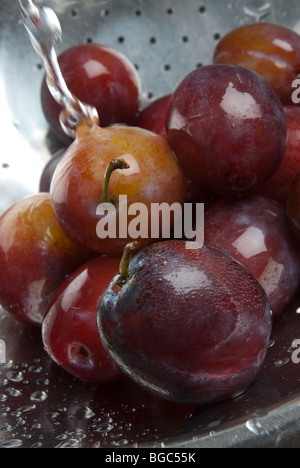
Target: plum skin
[
  {"x": 292, "y": 206},
  {"x": 255, "y": 231},
  {"x": 100, "y": 76},
  {"x": 279, "y": 184},
  {"x": 224, "y": 122},
  {"x": 190, "y": 326},
  {"x": 69, "y": 329},
  {"x": 272, "y": 50},
  {"x": 153, "y": 116},
  {"x": 154, "y": 176},
  {"x": 49, "y": 169},
  {"x": 36, "y": 256}
]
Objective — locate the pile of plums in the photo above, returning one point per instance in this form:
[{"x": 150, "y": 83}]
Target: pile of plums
[{"x": 189, "y": 322}]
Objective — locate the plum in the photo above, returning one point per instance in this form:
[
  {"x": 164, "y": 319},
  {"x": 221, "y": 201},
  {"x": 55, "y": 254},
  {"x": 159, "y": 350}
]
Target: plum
[{"x": 188, "y": 323}]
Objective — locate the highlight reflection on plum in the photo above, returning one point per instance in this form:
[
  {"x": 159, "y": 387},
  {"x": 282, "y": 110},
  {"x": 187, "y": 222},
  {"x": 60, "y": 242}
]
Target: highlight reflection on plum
[{"x": 256, "y": 232}]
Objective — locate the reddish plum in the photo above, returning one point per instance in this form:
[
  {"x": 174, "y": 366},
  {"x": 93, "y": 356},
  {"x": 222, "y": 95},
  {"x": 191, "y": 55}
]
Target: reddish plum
[
  {"x": 224, "y": 122},
  {"x": 69, "y": 332},
  {"x": 279, "y": 184},
  {"x": 35, "y": 256},
  {"x": 255, "y": 231},
  {"x": 77, "y": 189},
  {"x": 100, "y": 76},
  {"x": 188, "y": 324},
  {"x": 196, "y": 195},
  {"x": 153, "y": 117},
  {"x": 272, "y": 50}
]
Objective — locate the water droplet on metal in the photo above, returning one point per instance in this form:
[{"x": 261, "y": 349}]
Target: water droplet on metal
[
  {"x": 72, "y": 442},
  {"x": 7, "y": 365},
  {"x": 6, "y": 428},
  {"x": 27, "y": 408},
  {"x": 83, "y": 413},
  {"x": 42, "y": 382},
  {"x": 15, "y": 376},
  {"x": 271, "y": 343},
  {"x": 238, "y": 394},
  {"x": 14, "y": 443},
  {"x": 257, "y": 9},
  {"x": 36, "y": 426},
  {"x": 39, "y": 396},
  {"x": 35, "y": 369},
  {"x": 281, "y": 362},
  {"x": 14, "y": 392},
  {"x": 255, "y": 426}
]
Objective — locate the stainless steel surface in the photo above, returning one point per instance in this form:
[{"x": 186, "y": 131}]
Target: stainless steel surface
[{"x": 42, "y": 406}]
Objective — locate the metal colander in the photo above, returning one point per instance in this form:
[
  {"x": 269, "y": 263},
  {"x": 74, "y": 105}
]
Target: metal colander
[{"x": 42, "y": 406}]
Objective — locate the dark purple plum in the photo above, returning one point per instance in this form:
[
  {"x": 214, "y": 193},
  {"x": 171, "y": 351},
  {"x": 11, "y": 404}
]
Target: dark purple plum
[
  {"x": 49, "y": 169},
  {"x": 256, "y": 232},
  {"x": 227, "y": 127},
  {"x": 188, "y": 324}
]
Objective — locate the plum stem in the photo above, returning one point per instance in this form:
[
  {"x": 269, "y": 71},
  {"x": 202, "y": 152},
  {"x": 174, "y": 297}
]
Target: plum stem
[
  {"x": 111, "y": 167},
  {"x": 125, "y": 262}
]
